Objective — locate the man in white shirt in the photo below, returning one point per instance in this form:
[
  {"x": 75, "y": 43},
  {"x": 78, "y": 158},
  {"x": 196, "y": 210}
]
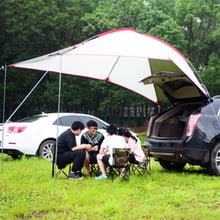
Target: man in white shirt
[{"x": 105, "y": 156}]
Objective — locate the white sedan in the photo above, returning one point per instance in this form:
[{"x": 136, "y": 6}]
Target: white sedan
[{"x": 36, "y": 135}]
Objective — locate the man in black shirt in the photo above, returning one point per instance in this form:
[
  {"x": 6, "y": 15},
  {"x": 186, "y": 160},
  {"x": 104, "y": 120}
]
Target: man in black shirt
[
  {"x": 69, "y": 152},
  {"x": 94, "y": 138}
]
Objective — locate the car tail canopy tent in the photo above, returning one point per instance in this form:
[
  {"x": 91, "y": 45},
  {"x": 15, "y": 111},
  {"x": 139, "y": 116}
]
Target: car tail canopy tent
[{"x": 123, "y": 57}]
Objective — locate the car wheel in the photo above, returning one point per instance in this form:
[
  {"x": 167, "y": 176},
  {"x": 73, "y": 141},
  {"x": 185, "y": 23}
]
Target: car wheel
[
  {"x": 214, "y": 160},
  {"x": 170, "y": 165},
  {"x": 45, "y": 150}
]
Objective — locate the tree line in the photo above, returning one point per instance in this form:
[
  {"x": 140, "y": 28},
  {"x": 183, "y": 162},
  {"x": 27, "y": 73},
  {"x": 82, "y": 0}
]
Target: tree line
[{"x": 36, "y": 27}]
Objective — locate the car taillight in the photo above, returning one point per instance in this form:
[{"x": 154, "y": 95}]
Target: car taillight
[
  {"x": 150, "y": 124},
  {"x": 192, "y": 124},
  {"x": 16, "y": 129}
]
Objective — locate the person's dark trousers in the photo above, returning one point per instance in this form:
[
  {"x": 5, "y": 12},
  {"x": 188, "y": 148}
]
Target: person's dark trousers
[
  {"x": 132, "y": 159},
  {"x": 76, "y": 157}
]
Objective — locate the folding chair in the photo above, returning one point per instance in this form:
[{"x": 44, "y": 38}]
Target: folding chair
[
  {"x": 135, "y": 169},
  {"x": 94, "y": 167},
  {"x": 61, "y": 170},
  {"x": 61, "y": 167},
  {"x": 120, "y": 161}
]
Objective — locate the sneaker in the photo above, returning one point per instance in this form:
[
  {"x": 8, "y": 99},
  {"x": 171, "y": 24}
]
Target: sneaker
[
  {"x": 142, "y": 165},
  {"x": 80, "y": 174},
  {"x": 101, "y": 177},
  {"x": 75, "y": 176}
]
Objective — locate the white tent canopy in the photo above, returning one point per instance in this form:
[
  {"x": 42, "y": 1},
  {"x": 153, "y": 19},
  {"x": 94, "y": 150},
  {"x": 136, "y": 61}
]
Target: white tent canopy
[{"x": 123, "y": 57}]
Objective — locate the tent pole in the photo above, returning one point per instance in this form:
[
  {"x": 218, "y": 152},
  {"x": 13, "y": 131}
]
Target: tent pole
[
  {"x": 26, "y": 97},
  {"x": 4, "y": 68},
  {"x": 4, "y": 93},
  {"x": 54, "y": 160},
  {"x": 3, "y": 127}
]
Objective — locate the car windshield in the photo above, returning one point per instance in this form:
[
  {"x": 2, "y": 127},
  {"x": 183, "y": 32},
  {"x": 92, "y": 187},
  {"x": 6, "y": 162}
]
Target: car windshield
[{"x": 31, "y": 118}]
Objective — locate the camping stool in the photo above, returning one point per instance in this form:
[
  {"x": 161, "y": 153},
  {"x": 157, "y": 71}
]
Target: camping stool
[
  {"x": 136, "y": 169},
  {"x": 61, "y": 170},
  {"x": 94, "y": 167},
  {"x": 120, "y": 161},
  {"x": 61, "y": 167}
]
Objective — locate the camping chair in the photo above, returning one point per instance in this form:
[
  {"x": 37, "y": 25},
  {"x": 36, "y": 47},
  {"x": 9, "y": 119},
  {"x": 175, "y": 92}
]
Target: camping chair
[
  {"x": 61, "y": 170},
  {"x": 120, "y": 161},
  {"x": 94, "y": 167},
  {"x": 61, "y": 167},
  {"x": 135, "y": 169}
]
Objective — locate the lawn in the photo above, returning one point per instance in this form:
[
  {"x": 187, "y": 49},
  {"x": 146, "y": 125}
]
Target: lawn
[{"x": 29, "y": 192}]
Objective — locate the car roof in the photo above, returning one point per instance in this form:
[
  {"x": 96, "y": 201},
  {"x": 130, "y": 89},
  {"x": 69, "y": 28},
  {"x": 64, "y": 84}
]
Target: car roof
[{"x": 55, "y": 115}]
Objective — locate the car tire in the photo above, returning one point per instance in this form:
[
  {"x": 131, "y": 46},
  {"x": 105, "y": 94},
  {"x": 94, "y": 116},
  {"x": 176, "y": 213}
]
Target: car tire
[
  {"x": 214, "y": 160},
  {"x": 45, "y": 150},
  {"x": 170, "y": 165}
]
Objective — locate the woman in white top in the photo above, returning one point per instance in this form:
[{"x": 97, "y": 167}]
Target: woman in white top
[{"x": 104, "y": 158}]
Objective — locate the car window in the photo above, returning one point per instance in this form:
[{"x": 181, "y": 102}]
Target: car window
[
  {"x": 212, "y": 108},
  {"x": 85, "y": 119},
  {"x": 66, "y": 120}
]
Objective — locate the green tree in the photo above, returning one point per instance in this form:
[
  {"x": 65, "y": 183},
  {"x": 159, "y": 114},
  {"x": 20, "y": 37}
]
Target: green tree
[
  {"x": 38, "y": 27},
  {"x": 32, "y": 28},
  {"x": 211, "y": 75},
  {"x": 165, "y": 6},
  {"x": 146, "y": 17},
  {"x": 198, "y": 19}
]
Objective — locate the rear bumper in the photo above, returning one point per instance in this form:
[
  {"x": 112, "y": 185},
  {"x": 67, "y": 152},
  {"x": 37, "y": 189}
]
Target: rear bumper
[{"x": 178, "y": 151}]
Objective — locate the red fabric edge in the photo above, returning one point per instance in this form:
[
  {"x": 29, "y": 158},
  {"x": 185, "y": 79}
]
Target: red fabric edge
[{"x": 147, "y": 35}]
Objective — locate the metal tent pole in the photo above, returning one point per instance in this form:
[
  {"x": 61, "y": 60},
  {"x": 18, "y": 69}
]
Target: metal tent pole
[
  {"x": 4, "y": 68},
  {"x": 3, "y": 128},
  {"x": 25, "y": 98},
  {"x": 54, "y": 160}
]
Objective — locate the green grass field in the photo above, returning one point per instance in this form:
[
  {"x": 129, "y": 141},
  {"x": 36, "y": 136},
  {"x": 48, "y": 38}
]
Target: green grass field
[{"x": 29, "y": 192}]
